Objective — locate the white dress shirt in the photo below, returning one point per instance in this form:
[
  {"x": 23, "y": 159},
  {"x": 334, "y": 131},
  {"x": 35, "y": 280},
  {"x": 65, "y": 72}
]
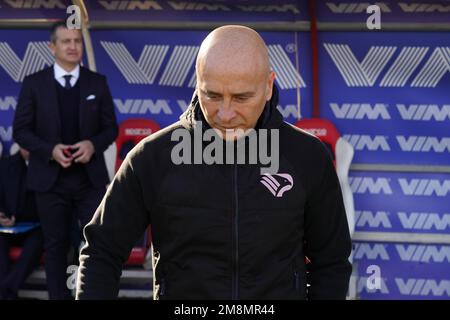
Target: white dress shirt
[{"x": 60, "y": 73}]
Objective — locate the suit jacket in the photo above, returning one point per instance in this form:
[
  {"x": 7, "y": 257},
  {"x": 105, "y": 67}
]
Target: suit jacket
[
  {"x": 37, "y": 125},
  {"x": 13, "y": 188}
]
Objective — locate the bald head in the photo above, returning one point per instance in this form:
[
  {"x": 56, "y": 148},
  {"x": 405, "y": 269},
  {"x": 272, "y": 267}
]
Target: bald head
[
  {"x": 233, "y": 47},
  {"x": 234, "y": 80}
]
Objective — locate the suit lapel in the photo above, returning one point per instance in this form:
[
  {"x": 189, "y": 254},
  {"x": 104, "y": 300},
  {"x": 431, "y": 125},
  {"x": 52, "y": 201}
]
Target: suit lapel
[
  {"x": 53, "y": 99},
  {"x": 84, "y": 87}
]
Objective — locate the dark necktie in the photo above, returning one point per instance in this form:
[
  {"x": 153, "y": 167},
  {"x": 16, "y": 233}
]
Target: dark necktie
[{"x": 67, "y": 77}]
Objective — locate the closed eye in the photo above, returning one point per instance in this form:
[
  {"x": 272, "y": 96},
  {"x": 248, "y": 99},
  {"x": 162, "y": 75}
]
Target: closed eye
[
  {"x": 211, "y": 95},
  {"x": 243, "y": 97}
]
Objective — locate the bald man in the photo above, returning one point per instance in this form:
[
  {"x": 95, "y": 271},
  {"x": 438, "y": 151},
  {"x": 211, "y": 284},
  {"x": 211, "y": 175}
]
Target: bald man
[{"x": 225, "y": 226}]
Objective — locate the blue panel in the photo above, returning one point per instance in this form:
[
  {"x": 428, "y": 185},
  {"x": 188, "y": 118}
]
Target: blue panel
[
  {"x": 388, "y": 94},
  {"x": 406, "y": 271},
  {"x": 195, "y": 11},
  {"x": 151, "y": 73},
  {"x": 391, "y": 11},
  {"x": 401, "y": 202},
  {"x": 34, "y": 9}
]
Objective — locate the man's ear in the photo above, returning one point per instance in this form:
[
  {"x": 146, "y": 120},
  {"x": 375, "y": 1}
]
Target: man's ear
[
  {"x": 52, "y": 48},
  {"x": 270, "y": 85}
]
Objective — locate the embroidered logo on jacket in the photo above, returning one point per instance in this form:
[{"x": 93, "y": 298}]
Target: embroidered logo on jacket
[{"x": 278, "y": 183}]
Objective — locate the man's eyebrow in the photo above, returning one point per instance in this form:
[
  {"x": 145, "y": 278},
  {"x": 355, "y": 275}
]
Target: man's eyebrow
[
  {"x": 238, "y": 94},
  {"x": 244, "y": 94},
  {"x": 209, "y": 92}
]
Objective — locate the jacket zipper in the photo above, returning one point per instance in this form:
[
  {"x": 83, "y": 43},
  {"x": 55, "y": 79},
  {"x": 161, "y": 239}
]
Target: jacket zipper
[{"x": 235, "y": 248}]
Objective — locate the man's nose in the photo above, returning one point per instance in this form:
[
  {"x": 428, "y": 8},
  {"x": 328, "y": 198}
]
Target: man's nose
[
  {"x": 226, "y": 113},
  {"x": 72, "y": 45}
]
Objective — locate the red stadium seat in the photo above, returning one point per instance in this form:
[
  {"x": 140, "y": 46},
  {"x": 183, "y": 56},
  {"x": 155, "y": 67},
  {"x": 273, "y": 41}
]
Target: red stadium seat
[
  {"x": 342, "y": 153},
  {"x": 324, "y": 130},
  {"x": 139, "y": 252},
  {"x": 15, "y": 252},
  {"x": 131, "y": 131}
]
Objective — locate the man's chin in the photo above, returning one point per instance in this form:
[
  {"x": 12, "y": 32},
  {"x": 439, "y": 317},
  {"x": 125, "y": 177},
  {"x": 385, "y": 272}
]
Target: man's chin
[
  {"x": 74, "y": 60},
  {"x": 232, "y": 134}
]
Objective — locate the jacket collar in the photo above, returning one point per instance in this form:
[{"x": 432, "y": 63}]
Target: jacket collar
[{"x": 59, "y": 73}]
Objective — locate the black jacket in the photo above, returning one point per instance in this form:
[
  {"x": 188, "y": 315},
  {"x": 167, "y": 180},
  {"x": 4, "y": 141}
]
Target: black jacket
[
  {"x": 13, "y": 170},
  {"x": 37, "y": 125},
  {"x": 218, "y": 231}
]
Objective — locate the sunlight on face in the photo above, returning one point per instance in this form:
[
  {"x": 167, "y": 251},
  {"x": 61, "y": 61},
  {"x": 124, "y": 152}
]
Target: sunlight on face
[{"x": 233, "y": 100}]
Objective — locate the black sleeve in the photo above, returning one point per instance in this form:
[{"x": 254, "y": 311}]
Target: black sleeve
[
  {"x": 116, "y": 226},
  {"x": 23, "y": 124},
  {"x": 327, "y": 237},
  {"x": 108, "y": 125}
]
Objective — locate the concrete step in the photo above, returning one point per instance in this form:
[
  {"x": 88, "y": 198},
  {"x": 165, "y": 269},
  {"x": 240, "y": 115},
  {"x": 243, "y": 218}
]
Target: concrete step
[{"x": 135, "y": 283}]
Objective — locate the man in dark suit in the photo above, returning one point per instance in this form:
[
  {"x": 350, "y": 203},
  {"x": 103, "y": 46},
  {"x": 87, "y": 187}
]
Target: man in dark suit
[
  {"x": 65, "y": 118},
  {"x": 17, "y": 204}
]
